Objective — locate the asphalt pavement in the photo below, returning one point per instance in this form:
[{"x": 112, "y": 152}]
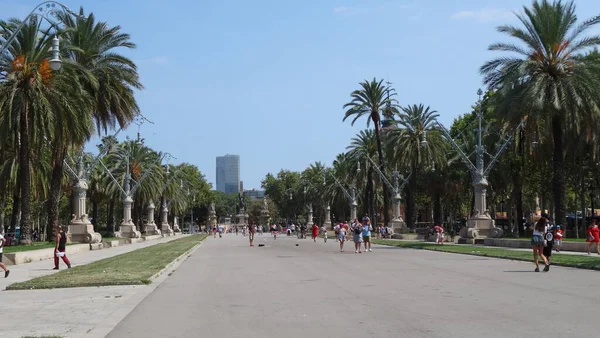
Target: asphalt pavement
[{"x": 228, "y": 289}]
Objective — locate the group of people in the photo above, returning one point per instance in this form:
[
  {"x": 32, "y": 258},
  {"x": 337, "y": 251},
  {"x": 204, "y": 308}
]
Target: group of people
[{"x": 360, "y": 232}]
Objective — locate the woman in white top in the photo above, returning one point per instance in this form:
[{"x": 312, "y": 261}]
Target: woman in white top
[{"x": 342, "y": 238}]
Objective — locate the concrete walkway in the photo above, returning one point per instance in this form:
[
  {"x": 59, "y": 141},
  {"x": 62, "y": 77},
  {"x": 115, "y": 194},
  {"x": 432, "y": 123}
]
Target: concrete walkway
[
  {"x": 228, "y": 289},
  {"x": 74, "y": 312}
]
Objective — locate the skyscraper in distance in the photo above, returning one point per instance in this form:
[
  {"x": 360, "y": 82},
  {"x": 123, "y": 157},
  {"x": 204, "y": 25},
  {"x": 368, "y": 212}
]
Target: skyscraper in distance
[{"x": 228, "y": 173}]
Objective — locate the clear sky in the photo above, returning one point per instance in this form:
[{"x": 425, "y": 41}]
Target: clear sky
[{"x": 267, "y": 79}]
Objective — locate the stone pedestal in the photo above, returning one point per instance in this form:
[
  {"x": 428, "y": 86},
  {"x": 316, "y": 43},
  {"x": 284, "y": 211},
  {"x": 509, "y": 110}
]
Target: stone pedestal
[
  {"x": 127, "y": 229},
  {"x": 176, "y": 225},
  {"x": 150, "y": 228},
  {"x": 165, "y": 228},
  {"x": 241, "y": 219},
  {"x": 327, "y": 223},
  {"x": 309, "y": 218},
  {"x": 481, "y": 226},
  {"x": 81, "y": 230},
  {"x": 398, "y": 226}
]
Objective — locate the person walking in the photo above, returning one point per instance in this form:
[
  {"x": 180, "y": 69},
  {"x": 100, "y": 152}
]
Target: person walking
[
  {"x": 2, "y": 242},
  {"x": 558, "y": 236},
  {"x": 342, "y": 238},
  {"x": 60, "y": 249},
  {"x": 439, "y": 233},
  {"x": 357, "y": 236},
  {"x": 366, "y": 233},
  {"x": 251, "y": 231},
  {"x": 593, "y": 237},
  {"x": 324, "y": 231},
  {"x": 537, "y": 243},
  {"x": 315, "y": 232}
]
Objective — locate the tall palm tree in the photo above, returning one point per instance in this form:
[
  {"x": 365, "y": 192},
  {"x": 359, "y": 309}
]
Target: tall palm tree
[
  {"x": 373, "y": 100},
  {"x": 549, "y": 80},
  {"x": 30, "y": 97},
  {"x": 416, "y": 124},
  {"x": 106, "y": 76},
  {"x": 364, "y": 145}
]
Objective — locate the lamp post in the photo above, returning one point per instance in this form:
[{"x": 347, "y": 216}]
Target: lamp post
[
  {"x": 480, "y": 224},
  {"x": 350, "y": 195},
  {"x": 44, "y": 10},
  {"x": 397, "y": 223}
]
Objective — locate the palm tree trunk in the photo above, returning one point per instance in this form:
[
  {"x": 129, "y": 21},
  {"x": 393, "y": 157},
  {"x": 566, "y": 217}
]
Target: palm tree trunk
[
  {"x": 55, "y": 185},
  {"x": 410, "y": 197},
  {"x": 25, "y": 176},
  {"x": 95, "y": 214},
  {"x": 386, "y": 193},
  {"x": 558, "y": 179},
  {"x": 110, "y": 224},
  {"x": 437, "y": 206}
]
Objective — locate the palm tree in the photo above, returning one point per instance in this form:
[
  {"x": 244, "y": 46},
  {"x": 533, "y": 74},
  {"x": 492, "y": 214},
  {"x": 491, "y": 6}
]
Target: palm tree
[
  {"x": 110, "y": 77},
  {"x": 373, "y": 100},
  {"x": 415, "y": 125},
  {"x": 30, "y": 97},
  {"x": 549, "y": 80},
  {"x": 364, "y": 145}
]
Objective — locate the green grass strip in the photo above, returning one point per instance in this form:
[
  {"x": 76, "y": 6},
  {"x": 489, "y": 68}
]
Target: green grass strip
[
  {"x": 132, "y": 268},
  {"x": 574, "y": 261}
]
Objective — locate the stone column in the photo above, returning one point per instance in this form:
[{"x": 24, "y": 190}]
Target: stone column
[
  {"x": 128, "y": 229},
  {"x": 480, "y": 225},
  {"x": 164, "y": 224},
  {"x": 150, "y": 227},
  {"x": 397, "y": 223},
  {"x": 309, "y": 221},
  {"x": 327, "y": 223},
  {"x": 81, "y": 230},
  {"x": 353, "y": 207},
  {"x": 176, "y": 225}
]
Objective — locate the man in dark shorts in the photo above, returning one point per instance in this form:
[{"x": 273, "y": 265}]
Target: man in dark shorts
[
  {"x": 251, "y": 231},
  {"x": 548, "y": 240}
]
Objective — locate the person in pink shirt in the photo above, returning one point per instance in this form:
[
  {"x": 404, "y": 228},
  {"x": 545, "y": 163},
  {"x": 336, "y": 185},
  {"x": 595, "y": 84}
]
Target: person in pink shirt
[{"x": 439, "y": 234}]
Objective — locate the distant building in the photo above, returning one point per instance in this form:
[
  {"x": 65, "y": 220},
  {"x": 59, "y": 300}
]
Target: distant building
[
  {"x": 255, "y": 194},
  {"x": 228, "y": 173}
]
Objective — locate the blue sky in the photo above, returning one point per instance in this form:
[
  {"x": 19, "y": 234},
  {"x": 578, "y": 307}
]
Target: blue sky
[{"x": 267, "y": 79}]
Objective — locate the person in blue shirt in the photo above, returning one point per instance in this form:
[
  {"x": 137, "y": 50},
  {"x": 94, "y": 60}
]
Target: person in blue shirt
[{"x": 366, "y": 233}]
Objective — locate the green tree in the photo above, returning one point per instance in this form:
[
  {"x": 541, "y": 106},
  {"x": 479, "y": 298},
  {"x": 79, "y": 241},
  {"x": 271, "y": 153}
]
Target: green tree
[
  {"x": 549, "y": 81},
  {"x": 373, "y": 100}
]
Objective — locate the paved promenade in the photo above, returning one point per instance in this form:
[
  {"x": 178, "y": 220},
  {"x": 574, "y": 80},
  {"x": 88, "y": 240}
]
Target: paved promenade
[
  {"x": 75, "y": 312},
  {"x": 227, "y": 289}
]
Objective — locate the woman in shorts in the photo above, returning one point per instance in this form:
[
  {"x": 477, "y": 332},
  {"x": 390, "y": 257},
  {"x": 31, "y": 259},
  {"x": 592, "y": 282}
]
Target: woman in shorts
[
  {"x": 357, "y": 236},
  {"x": 537, "y": 243},
  {"x": 342, "y": 238}
]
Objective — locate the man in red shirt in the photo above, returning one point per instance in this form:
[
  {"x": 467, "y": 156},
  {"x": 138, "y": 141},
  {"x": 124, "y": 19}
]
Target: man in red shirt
[{"x": 558, "y": 236}]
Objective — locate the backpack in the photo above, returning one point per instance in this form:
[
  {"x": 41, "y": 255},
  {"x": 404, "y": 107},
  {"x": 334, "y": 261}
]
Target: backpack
[{"x": 357, "y": 230}]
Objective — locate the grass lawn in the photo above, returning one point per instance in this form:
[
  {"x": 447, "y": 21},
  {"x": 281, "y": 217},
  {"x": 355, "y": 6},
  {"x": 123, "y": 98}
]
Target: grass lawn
[
  {"x": 132, "y": 268},
  {"x": 108, "y": 239},
  {"x": 576, "y": 261},
  {"x": 33, "y": 246},
  {"x": 564, "y": 239}
]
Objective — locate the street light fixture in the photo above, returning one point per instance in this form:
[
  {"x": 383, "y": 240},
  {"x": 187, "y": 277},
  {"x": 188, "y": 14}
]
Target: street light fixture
[{"x": 55, "y": 63}]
